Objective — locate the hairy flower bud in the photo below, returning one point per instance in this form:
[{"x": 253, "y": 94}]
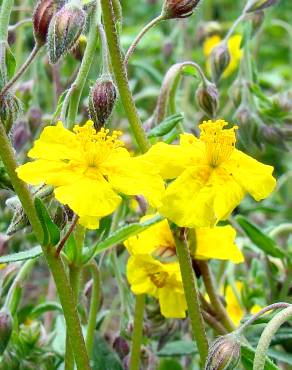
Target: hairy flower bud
[
  {"x": 219, "y": 59},
  {"x": 79, "y": 48},
  {"x": 65, "y": 28},
  {"x": 224, "y": 353},
  {"x": 10, "y": 110},
  {"x": 20, "y": 135},
  {"x": 178, "y": 8},
  {"x": 121, "y": 346},
  {"x": 255, "y": 5},
  {"x": 102, "y": 98},
  {"x": 207, "y": 97},
  {"x": 273, "y": 135},
  {"x": 5, "y": 329},
  {"x": 42, "y": 16}
]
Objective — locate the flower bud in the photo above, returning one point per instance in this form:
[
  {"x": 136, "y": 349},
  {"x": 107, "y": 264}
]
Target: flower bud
[
  {"x": 207, "y": 97},
  {"x": 224, "y": 353},
  {"x": 257, "y": 19},
  {"x": 65, "y": 28},
  {"x": 42, "y": 16},
  {"x": 219, "y": 60},
  {"x": 178, "y": 8},
  {"x": 272, "y": 135},
  {"x": 102, "y": 98},
  {"x": 207, "y": 29},
  {"x": 20, "y": 135},
  {"x": 30, "y": 332},
  {"x": 255, "y": 5},
  {"x": 10, "y": 110},
  {"x": 79, "y": 48},
  {"x": 5, "y": 329},
  {"x": 121, "y": 346}
]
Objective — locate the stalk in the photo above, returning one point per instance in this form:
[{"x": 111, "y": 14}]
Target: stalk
[{"x": 137, "y": 332}]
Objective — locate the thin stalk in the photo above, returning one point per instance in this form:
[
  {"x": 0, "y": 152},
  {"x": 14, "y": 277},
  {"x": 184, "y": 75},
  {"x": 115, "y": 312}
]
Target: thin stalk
[
  {"x": 281, "y": 229},
  {"x": 267, "y": 336},
  {"x": 134, "y": 44},
  {"x": 66, "y": 236},
  {"x": 94, "y": 306},
  {"x": 78, "y": 85},
  {"x": 137, "y": 333},
  {"x": 121, "y": 75},
  {"x": 214, "y": 324},
  {"x": 214, "y": 299},
  {"x": 21, "y": 71},
  {"x": 55, "y": 264},
  {"x": 192, "y": 297}
]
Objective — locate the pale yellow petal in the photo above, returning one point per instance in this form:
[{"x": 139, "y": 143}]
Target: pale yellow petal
[
  {"x": 217, "y": 243},
  {"x": 89, "y": 222},
  {"x": 172, "y": 303}
]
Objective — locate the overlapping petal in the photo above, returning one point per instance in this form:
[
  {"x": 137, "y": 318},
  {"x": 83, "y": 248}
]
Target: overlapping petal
[{"x": 172, "y": 305}]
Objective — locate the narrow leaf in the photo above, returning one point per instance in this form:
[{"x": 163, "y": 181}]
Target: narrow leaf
[
  {"x": 51, "y": 230},
  {"x": 166, "y": 125},
  {"x": 248, "y": 353},
  {"x": 22, "y": 256}
]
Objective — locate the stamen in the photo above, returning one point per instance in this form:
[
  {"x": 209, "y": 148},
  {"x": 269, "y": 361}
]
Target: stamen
[{"x": 159, "y": 278}]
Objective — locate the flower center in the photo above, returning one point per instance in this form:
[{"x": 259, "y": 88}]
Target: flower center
[
  {"x": 97, "y": 145},
  {"x": 219, "y": 142},
  {"x": 159, "y": 278}
]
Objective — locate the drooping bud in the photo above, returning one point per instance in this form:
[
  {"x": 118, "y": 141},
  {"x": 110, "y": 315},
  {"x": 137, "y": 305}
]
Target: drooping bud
[
  {"x": 224, "y": 353},
  {"x": 10, "y": 110},
  {"x": 5, "y": 329},
  {"x": 20, "y": 135},
  {"x": 42, "y": 16},
  {"x": 121, "y": 346},
  {"x": 255, "y": 5},
  {"x": 178, "y": 8},
  {"x": 219, "y": 60},
  {"x": 65, "y": 28},
  {"x": 207, "y": 97},
  {"x": 272, "y": 135},
  {"x": 247, "y": 121},
  {"x": 102, "y": 99}
]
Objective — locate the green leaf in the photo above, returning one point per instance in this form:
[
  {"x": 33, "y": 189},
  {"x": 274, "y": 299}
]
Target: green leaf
[
  {"x": 59, "y": 106},
  {"x": 280, "y": 356},
  {"x": 178, "y": 348},
  {"x": 22, "y": 256},
  {"x": 168, "y": 364},
  {"x": 119, "y": 236},
  {"x": 260, "y": 239},
  {"x": 10, "y": 62},
  {"x": 45, "y": 307},
  {"x": 152, "y": 72},
  {"x": 51, "y": 230},
  {"x": 103, "y": 357},
  {"x": 166, "y": 125},
  {"x": 247, "y": 355}
]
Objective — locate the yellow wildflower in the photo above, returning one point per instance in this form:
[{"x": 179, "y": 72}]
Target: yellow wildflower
[
  {"x": 215, "y": 243},
  {"x": 161, "y": 280},
  {"x": 234, "y": 43},
  {"x": 211, "y": 176},
  {"x": 88, "y": 169}
]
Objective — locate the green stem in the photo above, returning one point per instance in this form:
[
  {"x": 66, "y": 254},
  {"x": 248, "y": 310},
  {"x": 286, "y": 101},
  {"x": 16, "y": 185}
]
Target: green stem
[
  {"x": 192, "y": 298},
  {"x": 55, "y": 264},
  {"x": 214, "y": 299},
  {"x": 281, "y": 229},
  {"x": 94, "y": 306},
  {"x": 137, "y": 333},
  {"x": 21, "y": 71},
  {"x": 134, "y": 44},
  {"x": 267, "y": 336},
  {"x": 78, "y": 86},
  {"x": 5, "y": 12},
  {"x": 121, "y": 75}
]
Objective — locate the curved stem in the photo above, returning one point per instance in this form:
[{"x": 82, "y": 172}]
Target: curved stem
[
  {"x": 21, "y": 71},
  {"x": 281, "y": 229},
  {"x": 55, "y": 264},
  {"x": 267, "y": 336},
  {"x": 79, "y": 83},
  {"x": 137, "y": 333},
  {"x": 121, "y": 75},
  {"x": 214, "y": 299},
  {"x": 134, "y": 44},
  {"x": 94, "y": 306},
  {"x": 192, "y": 297}
]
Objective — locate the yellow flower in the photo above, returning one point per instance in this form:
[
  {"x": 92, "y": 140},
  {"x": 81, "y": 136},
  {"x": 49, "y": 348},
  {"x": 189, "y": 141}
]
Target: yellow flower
[
  {"x": 88, "y": 169},
  {"x": 234, "y": 43},
  {"x": 211, "y": 176},
  {"x": 215, "y": 243},
  {"x": 161, "y": 280}
]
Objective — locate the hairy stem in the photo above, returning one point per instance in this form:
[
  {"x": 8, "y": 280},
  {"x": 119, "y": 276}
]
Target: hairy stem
[
  {"x": 121, "y": 75},
  {"x": 137, "y": 333}
]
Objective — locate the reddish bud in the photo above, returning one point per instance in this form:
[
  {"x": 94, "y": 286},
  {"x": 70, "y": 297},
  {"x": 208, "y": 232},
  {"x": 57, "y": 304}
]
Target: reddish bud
[
  {"x": 207, "y": 97},
  {"x": 220, "y": 59},
  {"x": 5, "y": 329},
  {"x": 178, "y": 8}
]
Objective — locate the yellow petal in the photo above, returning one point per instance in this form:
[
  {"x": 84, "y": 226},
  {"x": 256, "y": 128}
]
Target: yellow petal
[
  {"x": 135, "y": 176},
  {"x": 50, "y": 172},
  {"x": 172, "y": 303},
  {"x": 56, "y": 143},
  {"x": 188, "y": 200},
  {"x": 89, "y": 222},
  {"x": 89, "y": 197},
  {"x": 217, "y": 243},
  {"x": 233, "y": 307},
  {"x": 256, "y": 178}
]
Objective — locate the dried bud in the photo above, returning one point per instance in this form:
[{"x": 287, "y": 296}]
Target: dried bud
[
  {"x": 20, "y": 135},
  {"x": 42, "y": 16},
  {"x": 10, "y": 110},
  {"x": 178, "y": 8},
  {"x": 255, "y": 5},
  {"x": 207, "y": 97},
  {"x": 102, "y": 98},
  {"x": 121, "y": 346},
  {"x": 219, "y": 59},
  {"x": 5, "y": 329},
  {"x": 224, "y": 353},
  {"x": 65, "y": 28}
]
